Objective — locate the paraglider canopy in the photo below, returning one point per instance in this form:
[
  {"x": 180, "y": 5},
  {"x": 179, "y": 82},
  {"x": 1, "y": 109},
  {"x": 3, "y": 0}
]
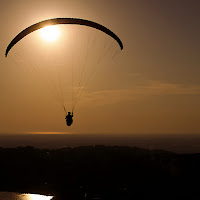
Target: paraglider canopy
[{"x": 56, "y": 21}]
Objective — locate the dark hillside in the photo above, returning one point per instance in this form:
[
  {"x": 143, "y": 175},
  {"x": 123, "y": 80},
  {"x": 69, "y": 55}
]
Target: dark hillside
[{"x": 105, "y": 172}]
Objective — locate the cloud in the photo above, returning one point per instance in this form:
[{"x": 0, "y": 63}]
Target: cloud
[
  {"x": 152, "y": 87},
  {"x": 140, "y": 89}
]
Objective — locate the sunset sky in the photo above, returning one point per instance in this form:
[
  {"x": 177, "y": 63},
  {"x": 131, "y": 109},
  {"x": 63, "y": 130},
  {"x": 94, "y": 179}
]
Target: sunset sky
[{"x": 151, "y": 86}]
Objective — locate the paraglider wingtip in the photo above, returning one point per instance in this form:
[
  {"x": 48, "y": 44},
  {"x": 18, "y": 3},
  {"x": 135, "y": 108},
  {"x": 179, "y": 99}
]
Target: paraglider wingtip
[
  {"x": 6, "y": 53},
  {"x": 122, "y": 46}
]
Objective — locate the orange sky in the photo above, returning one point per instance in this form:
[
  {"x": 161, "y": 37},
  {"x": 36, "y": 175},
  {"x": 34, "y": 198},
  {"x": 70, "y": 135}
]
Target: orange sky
[{"x": 152, "y": 86}]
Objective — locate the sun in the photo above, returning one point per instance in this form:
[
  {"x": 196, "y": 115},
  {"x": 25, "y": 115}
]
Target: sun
[{"x": 50, "y": 33}]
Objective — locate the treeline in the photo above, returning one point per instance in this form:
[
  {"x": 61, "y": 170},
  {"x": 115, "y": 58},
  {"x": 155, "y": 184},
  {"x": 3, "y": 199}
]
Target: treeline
[{"x": 101, "y": 172}]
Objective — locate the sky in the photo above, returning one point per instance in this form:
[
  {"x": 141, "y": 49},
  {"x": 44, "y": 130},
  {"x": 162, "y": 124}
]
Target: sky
[{"x": 152, "y": 86}]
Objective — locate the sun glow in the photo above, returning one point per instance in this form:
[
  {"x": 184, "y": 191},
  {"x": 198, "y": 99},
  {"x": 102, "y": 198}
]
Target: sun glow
[{"x": 50, "y": 33}]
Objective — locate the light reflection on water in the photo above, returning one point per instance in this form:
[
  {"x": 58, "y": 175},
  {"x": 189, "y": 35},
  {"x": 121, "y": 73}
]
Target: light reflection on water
[
  {"x": 17, "y": 196},
  {"x": 34, "y": 197}
]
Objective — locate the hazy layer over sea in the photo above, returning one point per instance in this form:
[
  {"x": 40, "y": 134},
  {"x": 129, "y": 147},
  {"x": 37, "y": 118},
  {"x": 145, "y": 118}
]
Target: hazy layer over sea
[{"x": 179, "y": 143}]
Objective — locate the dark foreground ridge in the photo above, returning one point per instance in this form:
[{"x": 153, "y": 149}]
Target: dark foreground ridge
[{"x": 100, "y": 172}]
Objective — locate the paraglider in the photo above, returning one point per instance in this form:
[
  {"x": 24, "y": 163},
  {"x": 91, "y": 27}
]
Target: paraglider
[
  {"x": 58, "y": 21},
  {"x": 69, "y": 119}
]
